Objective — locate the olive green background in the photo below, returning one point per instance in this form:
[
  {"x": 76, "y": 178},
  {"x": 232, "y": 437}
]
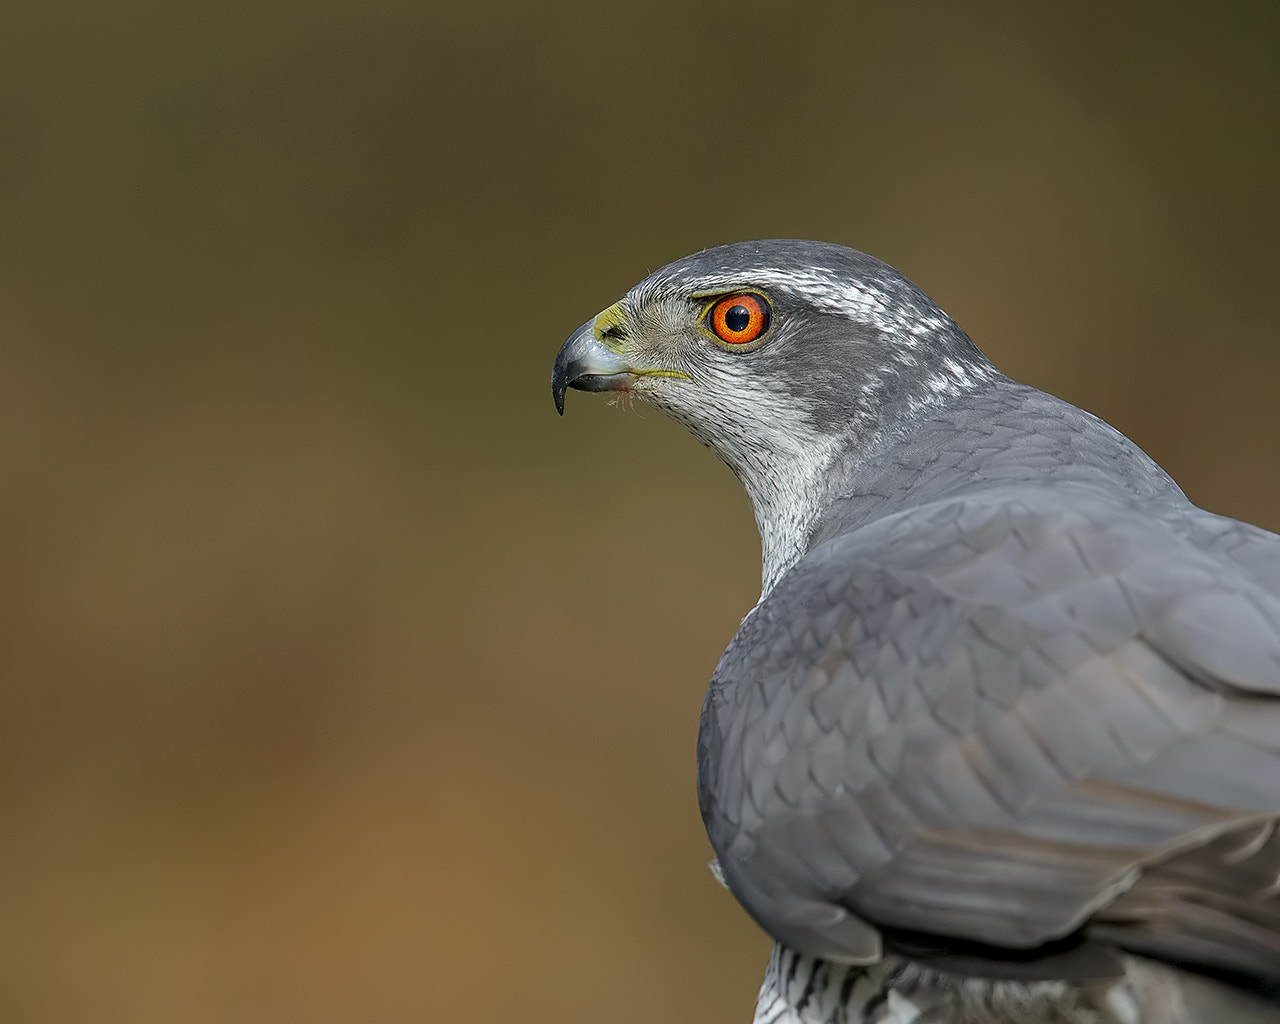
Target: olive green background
[{"x": 341, "y": 680}]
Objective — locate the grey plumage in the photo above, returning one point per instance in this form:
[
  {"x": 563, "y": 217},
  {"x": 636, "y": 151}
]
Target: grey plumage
[{"x": 1009, "y": 706}]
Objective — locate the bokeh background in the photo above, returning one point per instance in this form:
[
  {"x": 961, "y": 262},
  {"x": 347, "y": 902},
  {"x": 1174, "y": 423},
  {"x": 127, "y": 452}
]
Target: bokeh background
[{"x": 339, "y": 679}]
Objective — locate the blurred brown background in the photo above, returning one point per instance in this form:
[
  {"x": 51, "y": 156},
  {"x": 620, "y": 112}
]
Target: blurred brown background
[{"x": 341, "y": 680}]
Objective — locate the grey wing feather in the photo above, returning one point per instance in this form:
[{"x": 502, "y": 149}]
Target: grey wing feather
[
  {"x": 1251, "y": 549},
  {"x": 1001, "y": 720}
]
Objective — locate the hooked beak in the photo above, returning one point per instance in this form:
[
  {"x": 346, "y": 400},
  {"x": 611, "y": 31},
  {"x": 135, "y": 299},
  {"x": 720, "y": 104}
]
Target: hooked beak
[{"x": 588, "y": 364}]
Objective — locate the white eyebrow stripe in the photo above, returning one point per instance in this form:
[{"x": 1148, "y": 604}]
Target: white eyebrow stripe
[{"x": 905, "y": 312}]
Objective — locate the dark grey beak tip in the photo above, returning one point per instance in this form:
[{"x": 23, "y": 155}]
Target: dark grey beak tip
[{"x": 561, "y": 376}]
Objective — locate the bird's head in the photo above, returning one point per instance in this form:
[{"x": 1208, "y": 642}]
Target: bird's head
[{"x": 778, "y": 356}]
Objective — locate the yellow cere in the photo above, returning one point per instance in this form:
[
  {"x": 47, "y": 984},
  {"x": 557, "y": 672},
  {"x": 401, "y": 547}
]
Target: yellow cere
[{"x": 608, "y": 319}]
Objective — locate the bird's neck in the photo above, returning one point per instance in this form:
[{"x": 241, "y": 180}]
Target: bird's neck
[
  {"x": 787, "y": 505},
  {"x": 797, "y": 497}
]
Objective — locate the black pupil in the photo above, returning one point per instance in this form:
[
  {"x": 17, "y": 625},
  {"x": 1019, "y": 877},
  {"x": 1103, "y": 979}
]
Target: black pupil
[{"x": 738, "y": 319}]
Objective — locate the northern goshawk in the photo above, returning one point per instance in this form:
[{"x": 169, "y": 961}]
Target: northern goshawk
[{"x": 1000, "y": 741}]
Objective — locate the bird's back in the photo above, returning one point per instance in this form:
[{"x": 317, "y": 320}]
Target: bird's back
[
  {"x": 1016, "y": 709},
  {"x": 999, "y": 434}
]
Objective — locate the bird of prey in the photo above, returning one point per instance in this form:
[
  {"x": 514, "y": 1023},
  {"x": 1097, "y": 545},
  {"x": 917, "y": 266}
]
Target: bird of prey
[{"x": 1000, "y": 741}]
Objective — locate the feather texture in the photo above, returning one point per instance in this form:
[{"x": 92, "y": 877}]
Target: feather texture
[{"x": 1000, "y": 744}]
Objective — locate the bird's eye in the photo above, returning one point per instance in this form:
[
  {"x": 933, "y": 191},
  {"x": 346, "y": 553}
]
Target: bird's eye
[{"x": 738, "y": 319}]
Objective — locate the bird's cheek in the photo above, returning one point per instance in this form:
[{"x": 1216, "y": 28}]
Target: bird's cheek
[{"x": 669, "y": 390}]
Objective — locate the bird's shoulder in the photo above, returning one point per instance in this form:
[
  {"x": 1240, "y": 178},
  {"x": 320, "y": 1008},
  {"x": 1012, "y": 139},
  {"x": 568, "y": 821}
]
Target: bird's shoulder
[
  {"x": 1052, "y": 574},
  {"x": 957, "y": 689},
  {"x": 1251, "y": 549}
]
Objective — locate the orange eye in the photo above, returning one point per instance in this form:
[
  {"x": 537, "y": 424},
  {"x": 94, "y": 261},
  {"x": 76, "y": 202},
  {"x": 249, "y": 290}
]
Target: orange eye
[{"x": 739, "y": 319}]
